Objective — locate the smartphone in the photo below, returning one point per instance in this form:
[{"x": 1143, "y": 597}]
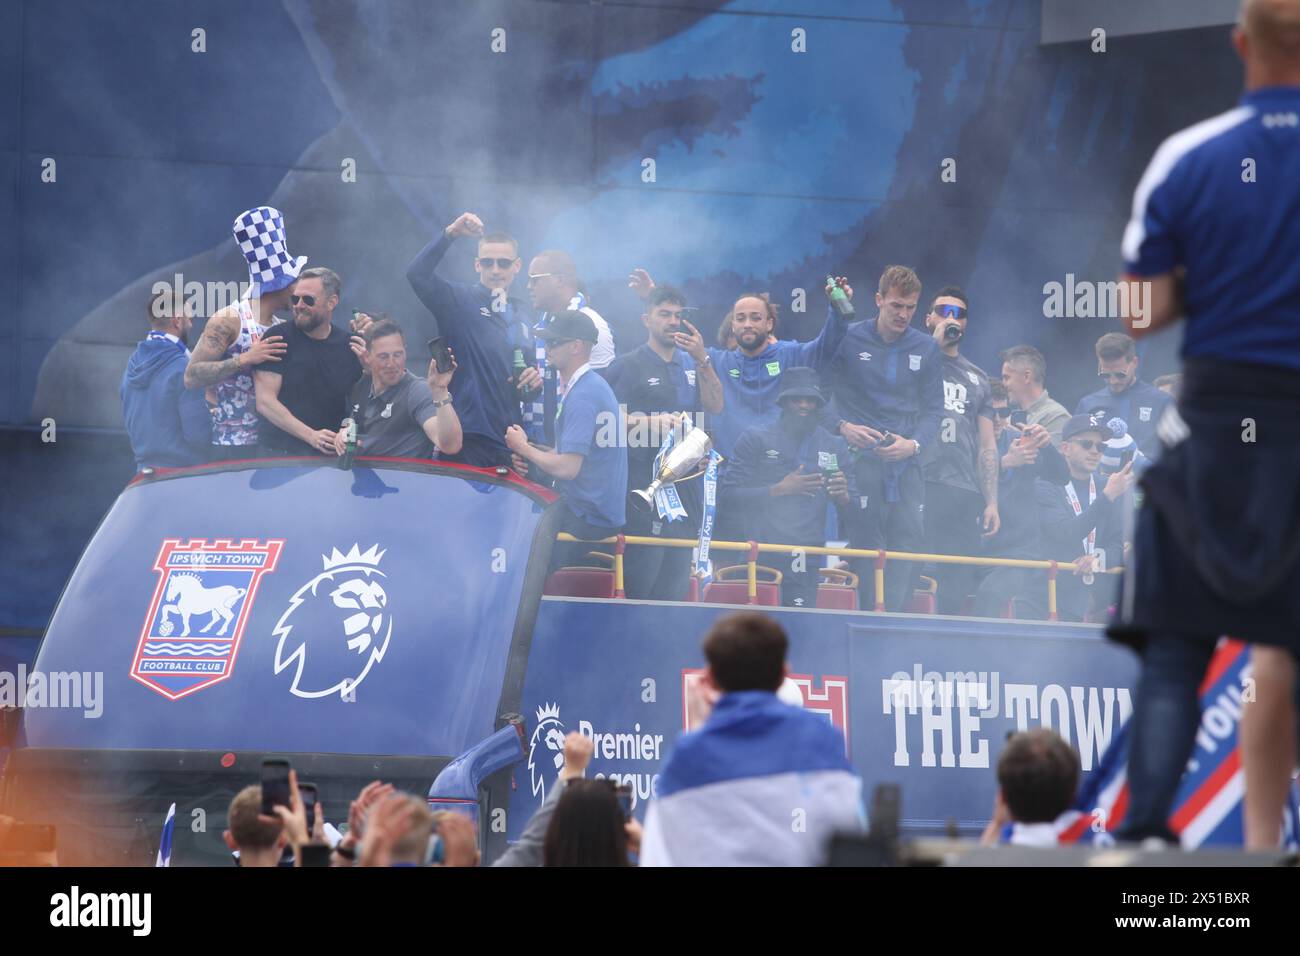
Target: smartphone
[
  {"x": 624, "y": 793},
  {"x": 441, "y": 353},
  {"x": 888, "y": 440},
  {"x": 29, "y": 838},
  {"x": 315, "y": 854},
  {"x": 308, "y": 793},
  {"x": 275, "y": 785}
]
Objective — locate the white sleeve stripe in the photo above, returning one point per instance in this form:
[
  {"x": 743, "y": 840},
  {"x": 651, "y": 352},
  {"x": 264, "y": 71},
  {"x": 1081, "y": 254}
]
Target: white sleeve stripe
[{"x": 1162, "y": 163}]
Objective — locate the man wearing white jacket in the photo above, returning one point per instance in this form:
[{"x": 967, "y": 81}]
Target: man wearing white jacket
[{"x": 761, "y": 783}]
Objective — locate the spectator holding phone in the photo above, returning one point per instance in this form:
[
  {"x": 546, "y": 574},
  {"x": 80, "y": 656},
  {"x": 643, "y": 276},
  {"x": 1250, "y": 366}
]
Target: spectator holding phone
[
  {"x": 1024, "y": 375},
  {"x": 398, "y": 414},
  {"x": 589, "y": 828},
  {"x": 259, "y": 840},
  {"x": 730, "y": 792},
  {"x": 528, "y": 849}
]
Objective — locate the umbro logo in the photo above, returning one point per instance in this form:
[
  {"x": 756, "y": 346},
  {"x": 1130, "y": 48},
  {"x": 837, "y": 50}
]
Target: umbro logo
[
  {"x": 773, "y": 454},
  {"x": 864, "y": 356}
]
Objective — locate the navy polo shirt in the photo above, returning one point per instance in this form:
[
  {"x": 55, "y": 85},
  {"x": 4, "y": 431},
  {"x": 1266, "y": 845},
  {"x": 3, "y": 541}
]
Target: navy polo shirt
[
  {"x": 484, "y": 341},
  {"x": 896, "y": 385},
  {"x": 644, "y": 383},
  {"x": 588, "y": 426},
  {"x": 1220, "y": 198}
]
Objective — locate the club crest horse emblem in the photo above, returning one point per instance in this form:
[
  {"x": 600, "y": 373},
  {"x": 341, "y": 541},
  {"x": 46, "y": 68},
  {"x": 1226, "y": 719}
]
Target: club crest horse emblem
[{"x": 199, "y": 610}]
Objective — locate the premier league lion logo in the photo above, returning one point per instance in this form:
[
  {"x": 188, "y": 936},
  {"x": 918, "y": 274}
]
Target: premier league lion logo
[
  {"x": 337, "y": 625},
  {"x": 546, "y": 746}
]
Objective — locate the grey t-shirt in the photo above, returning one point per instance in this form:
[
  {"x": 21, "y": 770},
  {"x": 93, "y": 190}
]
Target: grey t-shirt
[
  {"x": 392, "y": 423},
  {"x": 966, "y": 396}
]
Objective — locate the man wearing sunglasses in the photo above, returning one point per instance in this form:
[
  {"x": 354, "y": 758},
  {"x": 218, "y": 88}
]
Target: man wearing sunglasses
[
  {"x": 590, "y": 472},
  {"x": 485, "y": 328},
  {"x": 303, "y": 397},
  {"x": 1124, "y": 395},
  {"x": 961, "y": 468},
  {"x": 1083, "y": 520}
]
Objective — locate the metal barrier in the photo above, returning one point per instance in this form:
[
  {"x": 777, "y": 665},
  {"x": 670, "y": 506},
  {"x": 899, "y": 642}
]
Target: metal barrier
[{"x": 753, "y": 549}]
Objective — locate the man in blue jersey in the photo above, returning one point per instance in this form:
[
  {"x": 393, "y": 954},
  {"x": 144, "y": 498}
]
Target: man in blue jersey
[
  {"x": 485, "y": 328},
  {"x": 1124, "y": 395},
  {"x": 588, "y": 462},
  {"x": 1214, "y": 239},
  {"x": 751, "y": 372},
  {"x": 887, "y": 379}
]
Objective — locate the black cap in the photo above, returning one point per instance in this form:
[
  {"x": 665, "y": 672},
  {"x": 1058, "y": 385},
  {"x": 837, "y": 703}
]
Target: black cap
[
  {"x": 569, "y": 325},
  {"x": 1078, "y": 424},
  {"x": 801, "y": 383}
]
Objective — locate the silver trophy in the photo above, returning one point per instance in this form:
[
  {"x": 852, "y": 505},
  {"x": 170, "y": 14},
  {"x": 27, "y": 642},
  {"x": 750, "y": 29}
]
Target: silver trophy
[{"x": 680, "y": 464}]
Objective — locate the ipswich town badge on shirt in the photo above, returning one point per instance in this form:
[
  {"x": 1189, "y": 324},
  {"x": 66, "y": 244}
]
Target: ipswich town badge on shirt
[{"x": 198, "y": 613}]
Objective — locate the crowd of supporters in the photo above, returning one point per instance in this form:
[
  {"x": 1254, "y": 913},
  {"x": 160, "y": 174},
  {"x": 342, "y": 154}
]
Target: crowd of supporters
[{"x": 877, "y": 433}]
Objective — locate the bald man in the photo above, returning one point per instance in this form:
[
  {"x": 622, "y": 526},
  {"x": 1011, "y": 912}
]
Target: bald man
[
  {"x": 553, "y": 287},
  {"x": 1214, "y": 239}
]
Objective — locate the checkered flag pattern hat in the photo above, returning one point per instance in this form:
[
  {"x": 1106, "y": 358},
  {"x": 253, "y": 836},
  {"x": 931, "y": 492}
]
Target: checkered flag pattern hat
[{"x": 260, "y": 235}]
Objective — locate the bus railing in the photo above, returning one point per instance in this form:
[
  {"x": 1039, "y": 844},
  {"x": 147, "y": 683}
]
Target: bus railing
[{"x": 879, "y": 558}]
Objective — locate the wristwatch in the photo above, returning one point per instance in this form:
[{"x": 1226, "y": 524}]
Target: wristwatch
[
  {"x": 442, "y": 401},
  {"x": 918, "y": 447},
  {"x": 707, "y": 360}
]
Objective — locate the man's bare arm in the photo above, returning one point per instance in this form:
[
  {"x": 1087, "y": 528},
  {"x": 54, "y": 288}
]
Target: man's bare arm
[
  {"x": 988, "y": 461},
  {"x": 710, "y": 388},
  {"x": 207, "y": 367},
  {"x": 269, "y": 406},
  {"x": 1151, "y": 303},
  {"x": 445, "y": 431}
]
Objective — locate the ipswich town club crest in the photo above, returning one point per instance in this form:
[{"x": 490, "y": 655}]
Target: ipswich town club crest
[
  {"x": 200, "y": 607},
  {"x": 337, "y": 625}
]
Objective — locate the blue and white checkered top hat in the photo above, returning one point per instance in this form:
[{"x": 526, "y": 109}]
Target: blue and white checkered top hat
[{"x": 260, "y": 235}]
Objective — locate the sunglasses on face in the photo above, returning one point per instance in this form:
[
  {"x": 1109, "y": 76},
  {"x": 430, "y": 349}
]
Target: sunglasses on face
[
  {"x": 1087, "y": 444},
  {"x": 304, "y": 299},
  {"x": 1113, "y": 376},
  {"x": 487, "y": 262},
  {"x": 950, "y": 312},
  {"x": 556, "y": 343}
]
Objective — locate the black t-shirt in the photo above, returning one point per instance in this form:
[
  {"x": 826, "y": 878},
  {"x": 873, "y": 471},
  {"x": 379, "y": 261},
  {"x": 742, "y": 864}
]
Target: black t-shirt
[
  {"x": 644, "y": 383},
  {"x": 316, "y": 377},
  {"x": 966, "y": 396}
]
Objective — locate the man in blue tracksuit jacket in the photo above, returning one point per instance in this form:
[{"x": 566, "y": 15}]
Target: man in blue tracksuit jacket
[
  {"x": 484, "y": 329},
  {"x": 1125, "y": 396},
  {"x": 887, "y": 380},
  {"x": 782, "y": 476},
  {"x": 168, "y": 424}
]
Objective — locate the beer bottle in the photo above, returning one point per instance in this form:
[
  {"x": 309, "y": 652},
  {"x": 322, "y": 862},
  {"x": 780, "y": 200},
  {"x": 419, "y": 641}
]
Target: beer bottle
[
  {"x": 840, "y": 300},
  {"x": 350, "y": 443}
]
